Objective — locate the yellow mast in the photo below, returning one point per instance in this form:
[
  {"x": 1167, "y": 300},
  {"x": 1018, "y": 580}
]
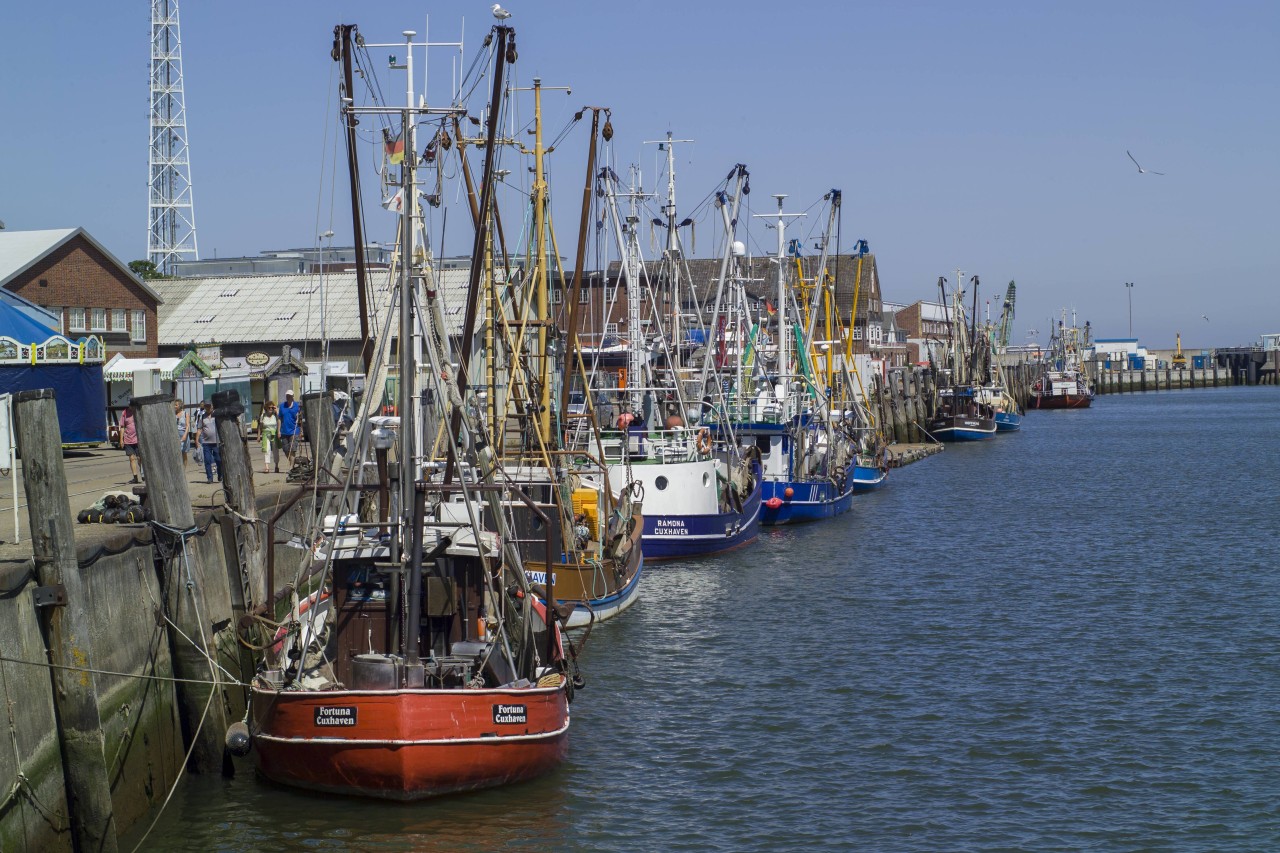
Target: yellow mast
[{"x": 540, "y": 294}]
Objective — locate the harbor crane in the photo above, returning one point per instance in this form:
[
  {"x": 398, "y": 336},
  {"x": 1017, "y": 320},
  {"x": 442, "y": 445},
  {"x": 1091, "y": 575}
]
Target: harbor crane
[{"x": 1006, "y": 318}]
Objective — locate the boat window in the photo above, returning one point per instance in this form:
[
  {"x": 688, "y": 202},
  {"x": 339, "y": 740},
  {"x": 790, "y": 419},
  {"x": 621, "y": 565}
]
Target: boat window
[
  {"x": 706, "y": 479},
  {"x": 661, "y": 483},
  {"x": 762, "y": 444}
]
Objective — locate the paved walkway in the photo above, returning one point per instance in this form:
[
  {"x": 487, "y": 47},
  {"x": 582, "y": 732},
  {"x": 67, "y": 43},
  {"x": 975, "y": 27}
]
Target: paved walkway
[{"x": 90, "y": 473}]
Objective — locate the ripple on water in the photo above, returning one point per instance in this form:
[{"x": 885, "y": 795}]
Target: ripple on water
[{"x": 1053, "y": 641}]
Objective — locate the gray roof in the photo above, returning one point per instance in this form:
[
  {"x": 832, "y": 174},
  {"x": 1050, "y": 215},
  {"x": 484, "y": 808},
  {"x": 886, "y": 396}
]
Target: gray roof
[
  {"x": 276, "y": 308},
  {"x": 20, "y": 250}
]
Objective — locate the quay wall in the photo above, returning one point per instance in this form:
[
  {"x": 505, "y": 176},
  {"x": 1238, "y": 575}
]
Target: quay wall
[{"x": 144, "y": 738}]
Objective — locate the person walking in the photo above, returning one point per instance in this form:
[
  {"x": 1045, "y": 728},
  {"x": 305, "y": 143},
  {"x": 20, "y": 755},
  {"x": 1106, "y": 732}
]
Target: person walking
[
  {"x": 129, "y": 441},
  {"x": 207, "y": 439},
  {"x": 268, "y": 429},
  {"x": 185, "y": 433},
  {"x": 289, "y": 426}
]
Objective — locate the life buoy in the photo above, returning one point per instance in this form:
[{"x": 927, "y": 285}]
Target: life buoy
[{"x": 704, "y": 440}]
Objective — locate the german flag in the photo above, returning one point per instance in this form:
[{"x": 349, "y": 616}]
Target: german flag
[{"x": 393, "y": 148}]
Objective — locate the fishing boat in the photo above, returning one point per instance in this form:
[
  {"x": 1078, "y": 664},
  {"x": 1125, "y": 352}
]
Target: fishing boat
[
  {"x": 808, "y": 460},
  {"x": 963, "y": 411},
  {"x": 702, "y": 498},
  {"x": 1062, "y": 383},
  {"x": 960, "y": 416},
  {"x": 414, "y": 659}
]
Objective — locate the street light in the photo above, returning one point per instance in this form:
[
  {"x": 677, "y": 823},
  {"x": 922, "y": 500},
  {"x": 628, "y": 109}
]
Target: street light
[
  {"x": 324, "y": 331},
  {"x": 1128, "y": 286}
]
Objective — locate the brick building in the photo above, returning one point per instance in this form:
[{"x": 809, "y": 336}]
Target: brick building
[
  {"x": 924, "y": 326},
  {"x": 68, "y": 272}
]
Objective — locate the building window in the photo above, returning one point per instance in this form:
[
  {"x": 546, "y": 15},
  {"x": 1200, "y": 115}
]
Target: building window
[
  {"x": 857, "y": 333},
  {"x": 75, "y": 319},
  {"x": 584, "y": 296},
  {"x": 98, "y": 317},
  {"x": 118, "y": 320},
  {"x": 557, "y": 296},
  {"x": 139, "y": 331}
]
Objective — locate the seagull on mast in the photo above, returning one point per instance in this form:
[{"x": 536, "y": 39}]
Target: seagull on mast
[
  {"x": 500, "y": 13},
  {"x": 1142, "y": 171}
]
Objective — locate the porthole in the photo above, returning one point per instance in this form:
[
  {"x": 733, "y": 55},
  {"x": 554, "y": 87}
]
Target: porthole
[
  {"x": 661, "y": 483},
  {"x": 706, "y": 479}
]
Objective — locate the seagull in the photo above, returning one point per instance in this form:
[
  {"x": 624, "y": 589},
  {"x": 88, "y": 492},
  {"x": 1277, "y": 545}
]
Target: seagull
[
  {"x": 1141, "y": 171},
  {"x": 500, "y": 13},
  {"x": 1205, "y": 317}
]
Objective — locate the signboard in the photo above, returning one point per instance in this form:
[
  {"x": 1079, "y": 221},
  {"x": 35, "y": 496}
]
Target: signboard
[{"x": 257, "y": 359}]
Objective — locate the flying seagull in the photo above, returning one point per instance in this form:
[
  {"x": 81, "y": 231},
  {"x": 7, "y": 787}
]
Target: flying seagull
[
  {"x": 1141, "y": 171},
  {"x": 500, "y": 13},
  {"x": 1206, "y": 317}
]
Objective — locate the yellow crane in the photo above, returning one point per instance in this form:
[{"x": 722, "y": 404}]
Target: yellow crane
[{"x": 1179, "y": 360}]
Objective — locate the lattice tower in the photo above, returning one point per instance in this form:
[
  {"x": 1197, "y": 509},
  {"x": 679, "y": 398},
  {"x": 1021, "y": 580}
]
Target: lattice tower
[{"x": 171, "y": 218}]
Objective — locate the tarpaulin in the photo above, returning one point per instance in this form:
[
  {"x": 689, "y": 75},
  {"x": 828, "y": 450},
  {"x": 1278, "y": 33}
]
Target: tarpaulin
[{"x": 79, "y": 392}]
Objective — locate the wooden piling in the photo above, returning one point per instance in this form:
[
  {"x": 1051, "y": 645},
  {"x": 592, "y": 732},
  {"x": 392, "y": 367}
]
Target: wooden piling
[
  {"x": 65, "y": 620},
  {"x": 186, "y": 585},
  {"x": 248, "y": 570},
  {"x": 318, "y": 424}
]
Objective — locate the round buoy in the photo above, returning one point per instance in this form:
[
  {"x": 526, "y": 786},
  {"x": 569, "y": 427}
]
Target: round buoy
[
  {"x": 773, "y": 503},
  {"x": 238, "y": 740},
  {"x": 83, "y": 517},
  {"x": 788, "y": 493}
]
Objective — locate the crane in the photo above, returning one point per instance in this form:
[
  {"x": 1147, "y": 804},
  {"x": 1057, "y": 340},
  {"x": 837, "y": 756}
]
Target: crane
[{"x": 1006, "y": 317}]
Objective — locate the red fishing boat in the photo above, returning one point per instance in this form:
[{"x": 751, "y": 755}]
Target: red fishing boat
[{"x": 424, "y": 664}]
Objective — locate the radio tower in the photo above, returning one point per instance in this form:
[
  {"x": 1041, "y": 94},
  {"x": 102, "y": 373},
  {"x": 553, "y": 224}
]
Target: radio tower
[{"x": 171, "y": 217}]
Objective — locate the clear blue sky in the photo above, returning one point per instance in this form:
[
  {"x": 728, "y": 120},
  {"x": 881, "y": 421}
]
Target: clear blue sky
[{"x": 988, "y": 136}]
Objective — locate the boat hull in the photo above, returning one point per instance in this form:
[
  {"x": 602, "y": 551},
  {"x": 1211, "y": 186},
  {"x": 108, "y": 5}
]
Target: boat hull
[
  {"x": 674, "y": 537},
  {"x": 1061, "y": 401},
  {"x": 962, "y": 429},
  {"x": 867, "y": 478},
  {"x": 594, "y": 589},
  {"x": 408, "y": 744},
  {"x": 1008, "y": 421},
  {"x": 809, "y": 501}
]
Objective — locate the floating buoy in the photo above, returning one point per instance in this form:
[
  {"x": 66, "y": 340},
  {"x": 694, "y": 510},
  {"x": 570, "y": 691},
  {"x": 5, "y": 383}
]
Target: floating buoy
[
  {"x": 773, "y": 503},
  {"x": 788, "y": 493}
]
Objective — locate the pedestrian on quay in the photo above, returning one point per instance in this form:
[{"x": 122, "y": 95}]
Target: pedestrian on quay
[
  {"x": 185, "y": 433},
  {"x": 289, "y": 426},
  {"x": 129, "y": 441},
  {"x": 268, "y": 429},
  {"x": 207, "y": 439}
]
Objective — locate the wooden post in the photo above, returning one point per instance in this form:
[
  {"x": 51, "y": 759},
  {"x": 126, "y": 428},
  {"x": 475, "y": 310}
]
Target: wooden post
[
  {"x": 66, "y": 625},
  {"x": 317, "y": 409},
  {"x": 183, "y": 579},
  {"x": 237, "y": 474}
]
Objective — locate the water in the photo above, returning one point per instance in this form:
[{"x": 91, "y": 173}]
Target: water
[{"x": 1062, "y": 639}]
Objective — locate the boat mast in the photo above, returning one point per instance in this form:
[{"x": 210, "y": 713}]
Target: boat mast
[
  {"x": 672, "y": 253},
  {"x": 635, "y": 334},
  {"x": 343, "y": 46},
  {"x": 783, "y": 389},
  {"x": 540, "y": 283},
  {"x": 408, "y": 449}
]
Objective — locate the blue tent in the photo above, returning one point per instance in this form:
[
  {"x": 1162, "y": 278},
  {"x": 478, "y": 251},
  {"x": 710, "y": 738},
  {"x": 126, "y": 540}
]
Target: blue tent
[
  {"x": 17, "y": 324},
  {"x": 80, "y": 392}
]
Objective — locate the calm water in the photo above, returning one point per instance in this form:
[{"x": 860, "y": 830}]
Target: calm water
[{"x": 1062, "y": 639}]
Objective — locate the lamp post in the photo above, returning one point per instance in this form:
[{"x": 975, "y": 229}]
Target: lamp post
[
  {"x": 324, "y": 331},
  {"x": 1128, "y": 286}
]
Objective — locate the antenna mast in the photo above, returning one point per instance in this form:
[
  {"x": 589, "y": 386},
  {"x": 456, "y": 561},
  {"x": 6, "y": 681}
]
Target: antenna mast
[{"x": 171, "y": 218}]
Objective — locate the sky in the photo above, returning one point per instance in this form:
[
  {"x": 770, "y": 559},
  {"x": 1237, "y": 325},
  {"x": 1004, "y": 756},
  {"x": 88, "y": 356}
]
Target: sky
[{"x": 989, "y": 137}]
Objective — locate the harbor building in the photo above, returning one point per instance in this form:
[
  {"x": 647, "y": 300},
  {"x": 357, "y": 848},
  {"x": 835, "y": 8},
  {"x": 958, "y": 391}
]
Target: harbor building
[{"x": 89, "y": 290}]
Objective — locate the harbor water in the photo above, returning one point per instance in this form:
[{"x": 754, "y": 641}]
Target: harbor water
[{"x": 1062, "y": 639}]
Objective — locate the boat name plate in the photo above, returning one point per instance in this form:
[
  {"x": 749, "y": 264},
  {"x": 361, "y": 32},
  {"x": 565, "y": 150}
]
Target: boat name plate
[
  {"x": 510, "y": 714},
  {"x": 344, "y": 715}
]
